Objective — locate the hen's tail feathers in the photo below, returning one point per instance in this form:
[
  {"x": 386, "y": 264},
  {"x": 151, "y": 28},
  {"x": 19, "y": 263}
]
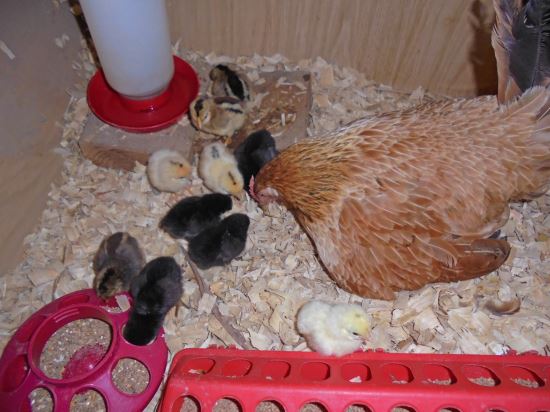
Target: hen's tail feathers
[
  {"x": 477, "y": 258},
  {"x": 521, "y": 40}
]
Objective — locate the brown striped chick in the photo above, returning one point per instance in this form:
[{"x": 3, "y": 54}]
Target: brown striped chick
[
  {"x": 228, "y": 82},
  {"x": 219, "y": 170},
  {"x": 167, "y": 170},
  {"x": 220, "y": 116}
]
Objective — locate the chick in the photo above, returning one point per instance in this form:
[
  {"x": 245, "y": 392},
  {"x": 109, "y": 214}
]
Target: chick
[
  {"x": 219, "y": 170},
  {"x": 187, "y": 218},
  {"x": 220, "y": 244},
  {"x": 117, "y": 261},
  {"x": 156, "y": 289},
  {"x": 167, "y": 169},
  {"x": 227, "y": 82},
  {"x": 333, "y": 329},
  {"x": 220, "y": 116},
  {"x": 254, "y": 152}
]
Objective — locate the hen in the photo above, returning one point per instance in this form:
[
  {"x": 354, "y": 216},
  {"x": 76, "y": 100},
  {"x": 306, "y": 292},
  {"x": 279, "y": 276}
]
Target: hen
[{"x": 403, "y": 199}]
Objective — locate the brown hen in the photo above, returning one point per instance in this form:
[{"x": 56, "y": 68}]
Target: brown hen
[{"x": 403, "y": 199}]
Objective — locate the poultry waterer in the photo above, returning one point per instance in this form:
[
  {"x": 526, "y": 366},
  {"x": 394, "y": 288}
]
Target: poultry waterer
[
  {"x": 375, "y": 381},
  {"x": 88, "y": 368},
  {"x": 141, "y": 87}
]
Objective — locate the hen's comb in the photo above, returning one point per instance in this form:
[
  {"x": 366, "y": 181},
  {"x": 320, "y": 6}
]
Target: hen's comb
[{"x": 251, "y": 189}]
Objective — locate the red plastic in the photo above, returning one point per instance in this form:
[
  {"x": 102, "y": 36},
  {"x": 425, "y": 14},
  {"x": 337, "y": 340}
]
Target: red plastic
[
  {"x": 383, "y": 381},
  {"x": 88, "y": 368},
  {"x": 149, "y": 115}
]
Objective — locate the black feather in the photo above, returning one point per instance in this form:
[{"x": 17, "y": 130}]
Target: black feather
[
  {"x": 234, "y": 82},
  {"x": 220, "y": 244},
  {"x": 187, "y": 218},
  {"x": 253, "y": 153},
  {"x": 530, "y": 53},
  {"x": 156, "y": 289}
]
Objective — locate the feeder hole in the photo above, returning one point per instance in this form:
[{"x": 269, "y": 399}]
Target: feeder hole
[
  {"x": 269, "y": 406},
  {"x": 227, "y": 405},
  {"x": 189, "y": 404},
  {"x": 130, "y": 376},
  {"x": 480, "y": 375},
  {"x": 112, "y": 305},
  {"x": 437, "y": 375},
  {"x": 15, "y": 374},
  {"x": 397, "y": 374},
  {"x": 276, "y": 370},
  {"x": 198, "y": 366},
  {"x": 356, "y": 407},
  {"x": 72, "y": 300},
  {"x": 236, "y": 368},
  {"x": 315, "y": 371},
  {"x": 88, "y": 401},
  {"x": 523, "y": 377},
  {"x": 450, "y": 409},
  {"x": 313, "y": 407},
  {"x": 75, "y": 349},
  {"x": 41, "y": 400},
  {"x": 355, "y": 372},
  {"x": 403, "y": 408},
  {"x": 25, "y": 332}
]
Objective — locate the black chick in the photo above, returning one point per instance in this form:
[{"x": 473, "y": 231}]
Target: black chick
[
  {"x": 253, "y": 153},
  {"x": 218, "y": 245},
  {"x": 156, "y": 289},
  {"x": 118, "y": 259},
  {"x": 187, "y": 218}
]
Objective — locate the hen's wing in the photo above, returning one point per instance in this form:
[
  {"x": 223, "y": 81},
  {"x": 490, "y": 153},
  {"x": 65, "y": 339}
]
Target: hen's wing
[{"x": 404, "y": 246}]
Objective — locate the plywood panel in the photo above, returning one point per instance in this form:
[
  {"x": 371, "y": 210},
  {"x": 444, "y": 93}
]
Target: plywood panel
[
  {"x": 439, "y": 44},
  {"x": 33, "y": 98}
]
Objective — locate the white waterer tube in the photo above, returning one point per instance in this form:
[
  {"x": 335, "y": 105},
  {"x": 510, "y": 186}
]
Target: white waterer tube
[{"x": 133, "y": 43}]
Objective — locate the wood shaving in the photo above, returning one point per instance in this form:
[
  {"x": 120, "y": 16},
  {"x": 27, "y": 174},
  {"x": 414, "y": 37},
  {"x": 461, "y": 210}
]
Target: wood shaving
[{"x": 259, "y": 293}]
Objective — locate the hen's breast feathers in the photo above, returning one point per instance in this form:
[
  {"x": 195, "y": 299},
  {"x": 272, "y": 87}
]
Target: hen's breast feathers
[{"x": 415, "y": 193}]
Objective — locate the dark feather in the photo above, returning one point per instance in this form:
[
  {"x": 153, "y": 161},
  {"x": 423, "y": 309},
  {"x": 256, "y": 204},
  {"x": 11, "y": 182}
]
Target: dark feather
[
  {"x": 234, "y": 82},
  {"x": 187, "y": 218},
  {"x": 253, "y": 153},
  {"x": 156, "y": 289},
  {"x": 521, "y": 40},
  {"x": 218, "y": 245}
]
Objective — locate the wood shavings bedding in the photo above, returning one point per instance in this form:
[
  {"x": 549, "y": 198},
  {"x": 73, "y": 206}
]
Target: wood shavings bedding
[{"x": 261, "y": 291}]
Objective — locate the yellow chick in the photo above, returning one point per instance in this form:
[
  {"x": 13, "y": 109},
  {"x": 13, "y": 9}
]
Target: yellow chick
[
  {"x": 167, "y": 169},
  {"x": 336, "y": 329},
  {"x": 219, "y": 171},
  {"x": 227, "y": 82},
  {"x": 220, "y": 116}
]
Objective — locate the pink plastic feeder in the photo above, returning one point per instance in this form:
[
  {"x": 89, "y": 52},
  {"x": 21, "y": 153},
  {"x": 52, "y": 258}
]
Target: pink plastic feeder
[{"x": 88, "y": 368}]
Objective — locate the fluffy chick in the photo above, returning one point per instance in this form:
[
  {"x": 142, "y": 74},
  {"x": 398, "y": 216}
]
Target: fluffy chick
[
  {"x": 227, "y": 82},
  {"x": 117, "y": 261},
  {"x": 187, "y": 218},
  {"x": 254, "y": 152},
  {"x": 333, "y": 329},
  {"x": 220, "y": 116},
  {"x": 219, "y": 170},
  {"x": 166, "y": 170},
  {"x": 156, "y": 289},
  {"x": 220, "y": 244}
]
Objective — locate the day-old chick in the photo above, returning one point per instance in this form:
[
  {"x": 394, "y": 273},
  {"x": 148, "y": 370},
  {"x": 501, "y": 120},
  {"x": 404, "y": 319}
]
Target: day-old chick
[
  {"x": 254, "y": 152},
  {"x": 220, "y": 116},
  {"x": 167, "y": 170},
  {"x": 219, "y": 170},
  {"x": 227, "y": 82},
  {"x": 117, "y": 261},
  {"x": 336, "y": 329},
  {"x": 220, "y": 244},
  {"x": 156, "y": 289},
  {"x": 187, "y": 218}
]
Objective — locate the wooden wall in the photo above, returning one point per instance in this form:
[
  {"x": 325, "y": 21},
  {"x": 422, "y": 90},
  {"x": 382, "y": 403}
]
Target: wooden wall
[{"x": 443, "y": 45}]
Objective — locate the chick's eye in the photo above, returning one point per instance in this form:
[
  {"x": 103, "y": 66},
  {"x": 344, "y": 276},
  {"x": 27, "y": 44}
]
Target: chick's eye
[{"x": 355, "y": 333}]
